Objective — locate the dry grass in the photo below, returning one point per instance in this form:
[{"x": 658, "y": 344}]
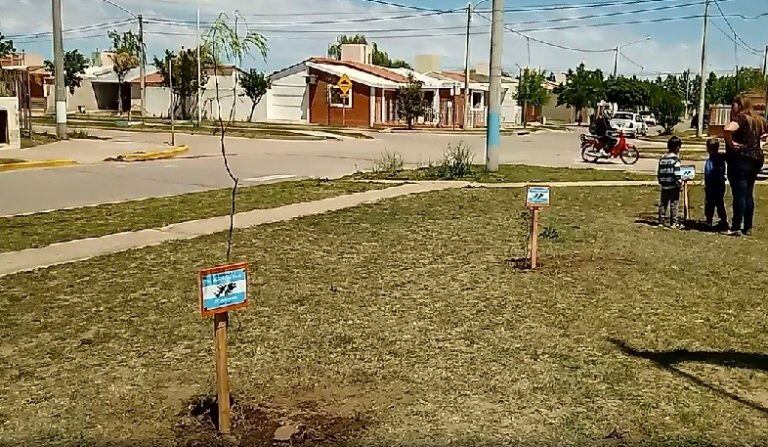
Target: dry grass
[{"x": 406, "y": 314}]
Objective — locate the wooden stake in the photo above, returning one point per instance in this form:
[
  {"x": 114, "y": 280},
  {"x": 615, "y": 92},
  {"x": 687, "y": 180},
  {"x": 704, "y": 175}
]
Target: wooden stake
[
  {"x": 220, "y": 322},
  {"x": 686, "y": 203},
  {"x": 534, "y": 237}
]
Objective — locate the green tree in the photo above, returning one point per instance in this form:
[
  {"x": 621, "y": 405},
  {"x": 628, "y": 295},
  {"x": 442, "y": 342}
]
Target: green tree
[
  {"x": 582, "y": 88},
  {"x": 127, "y": 50},
  {"x": 6, "y": 46},
  {"x": 627, "y": 93},
  {"x": 74, "y": 66},
  {"x": 378, "y": 57},
  {"x": 667, "y": 105},
  {"x": 531, "y": 91},
  {"x": 410, "y": 101},
  {"x": 255, "y": 85},
  {"x": 184, "y": 75}
]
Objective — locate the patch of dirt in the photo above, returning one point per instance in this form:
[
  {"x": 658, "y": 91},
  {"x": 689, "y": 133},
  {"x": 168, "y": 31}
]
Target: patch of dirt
[{"x": 294, "y": 422}]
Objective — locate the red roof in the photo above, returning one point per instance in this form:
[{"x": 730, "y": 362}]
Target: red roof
[
  {"x": 151, "y": 79},
  {"x": 370, "y": 69}
]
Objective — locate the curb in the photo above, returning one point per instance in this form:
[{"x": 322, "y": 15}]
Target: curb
[
  {"x": 36, "y": 164},
  {"x": 148, "y": 156}
]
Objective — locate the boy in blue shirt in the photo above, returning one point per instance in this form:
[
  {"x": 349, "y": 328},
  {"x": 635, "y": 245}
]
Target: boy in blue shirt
[{"x": 714, "y": 185}]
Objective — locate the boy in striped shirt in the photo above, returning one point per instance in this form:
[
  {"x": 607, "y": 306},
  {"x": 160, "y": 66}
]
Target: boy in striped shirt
[{"x": 670, "y": 183}]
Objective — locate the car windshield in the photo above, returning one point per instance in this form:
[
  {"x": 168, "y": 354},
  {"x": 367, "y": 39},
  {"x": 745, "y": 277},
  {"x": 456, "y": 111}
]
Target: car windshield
[{"x": 623, "y": 116}]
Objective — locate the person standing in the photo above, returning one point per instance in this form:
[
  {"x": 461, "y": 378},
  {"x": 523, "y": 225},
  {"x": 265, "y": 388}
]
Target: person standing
[
  {"x": 745, "y": 159},
  {"x": 668, "y": 175},
  {"x": 714, "y": 185}
]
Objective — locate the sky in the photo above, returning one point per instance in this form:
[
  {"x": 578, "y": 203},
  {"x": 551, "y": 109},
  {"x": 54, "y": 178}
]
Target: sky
[{"x": 294, "y": 33}]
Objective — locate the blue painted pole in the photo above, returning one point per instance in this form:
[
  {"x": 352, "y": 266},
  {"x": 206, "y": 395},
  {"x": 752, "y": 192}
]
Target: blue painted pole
[{"x": 493, "y": 137}]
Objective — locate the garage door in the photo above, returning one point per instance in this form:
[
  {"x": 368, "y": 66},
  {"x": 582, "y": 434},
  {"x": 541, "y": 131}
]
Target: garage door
[{"x": 286, "y": 100}]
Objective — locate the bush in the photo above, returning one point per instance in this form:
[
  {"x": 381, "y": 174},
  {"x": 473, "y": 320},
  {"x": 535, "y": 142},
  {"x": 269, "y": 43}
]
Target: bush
[
  {"x": 390, "y": 163},
  {"x": 457, "y": 162}
]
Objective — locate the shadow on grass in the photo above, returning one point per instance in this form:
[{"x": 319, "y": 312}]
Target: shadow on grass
[{"x": 668, "y": 360}]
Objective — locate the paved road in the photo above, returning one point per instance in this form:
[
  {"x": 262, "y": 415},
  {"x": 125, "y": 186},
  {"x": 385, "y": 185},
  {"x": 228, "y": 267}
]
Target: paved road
[{"x": 254, "y": 161}]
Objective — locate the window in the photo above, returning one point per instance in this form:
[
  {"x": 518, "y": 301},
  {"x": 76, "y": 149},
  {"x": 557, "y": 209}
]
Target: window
[
  {"x": 477, "y": 100},
  {"x": 335, "y": 99}
]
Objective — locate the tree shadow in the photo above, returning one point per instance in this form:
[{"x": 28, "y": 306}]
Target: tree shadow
[{"x": 668, "y": 360}]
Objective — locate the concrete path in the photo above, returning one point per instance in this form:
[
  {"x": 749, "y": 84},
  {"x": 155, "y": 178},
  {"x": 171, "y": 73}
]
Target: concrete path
[{"x": 78, "y": 250}]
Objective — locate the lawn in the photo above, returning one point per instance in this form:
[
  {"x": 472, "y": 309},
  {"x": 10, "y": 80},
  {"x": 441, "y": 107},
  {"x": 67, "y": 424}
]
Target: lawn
[
  {"x": 41, "y": 229},
  {"x": 509, "y": 173},
  {"x": 402, "y": 323}
]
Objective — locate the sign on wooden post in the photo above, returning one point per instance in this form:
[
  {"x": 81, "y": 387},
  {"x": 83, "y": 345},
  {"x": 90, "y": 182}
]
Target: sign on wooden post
[
  {"x": 223, "y": 289},
  {"x": 536, "y": 198},
  {"x": 687, "y": 174}
]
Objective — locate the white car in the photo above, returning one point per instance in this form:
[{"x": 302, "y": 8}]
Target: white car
[
  {"x": 649, "y": 118},
  {"x": 629, "y": 123}
]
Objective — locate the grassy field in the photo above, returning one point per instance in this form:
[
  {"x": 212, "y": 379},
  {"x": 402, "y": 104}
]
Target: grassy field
[
  {"x": 404, "y": 323},
  {"x": 509, "y": 173},
  {"x": 41, "y": 229}
]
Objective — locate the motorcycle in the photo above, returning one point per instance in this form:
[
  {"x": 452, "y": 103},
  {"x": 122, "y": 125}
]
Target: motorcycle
[{"x": 591, "y": 150}]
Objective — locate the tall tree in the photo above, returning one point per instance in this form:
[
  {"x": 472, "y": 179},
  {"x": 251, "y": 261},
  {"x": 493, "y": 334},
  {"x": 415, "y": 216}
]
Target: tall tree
[
  {"x": 410, "y": 100},
  {"x": 667, "y": 105},
  {"x": 531, "y": 91},
  {"x": 127, "y": 49},
  {"x": 74, "y": 66},
  {"x": 6, "y": 46},
  {"x": 255, "y": 85},
  {"x": 582, "y": 88},
  {"x": 627, "y": 93},
  {"x": 184, "y": 75}
]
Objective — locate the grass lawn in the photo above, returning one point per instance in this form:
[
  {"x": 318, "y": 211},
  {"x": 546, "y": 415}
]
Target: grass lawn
[
  {"x": 510, "y": 173},
  {"x": 401, "y": 323},
  {"x": 41, "y": 229}
]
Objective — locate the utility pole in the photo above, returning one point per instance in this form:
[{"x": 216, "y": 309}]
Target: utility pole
[
  {"x": 173, "y": 102},
  {"x": 199, "y": 76},
  {"x": 142, "y": 67},
  {"x": 702, "y": 91},
  {"x": 528, "y": 42},
  {"x": 467, "y": 100},
  {"x": 493, "y": 138},
  {"x": 615, "y": 62},
  {"x": 765, "y": 62},
  {"x": 58, "y": 58}
]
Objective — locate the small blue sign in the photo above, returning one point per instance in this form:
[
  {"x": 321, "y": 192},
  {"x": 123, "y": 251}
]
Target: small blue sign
[
  {"x": 687, "y": 173},
  {"x": 223, "y": 289},
  {"x": 537, "y": 196}
]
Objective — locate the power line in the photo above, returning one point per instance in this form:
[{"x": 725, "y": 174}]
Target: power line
[
  {"x": 92, "y": 27},
  {"x": 727, "y": 22},
  {"x": 318, "y": 22},
  {"x": 120, "y": 8}
]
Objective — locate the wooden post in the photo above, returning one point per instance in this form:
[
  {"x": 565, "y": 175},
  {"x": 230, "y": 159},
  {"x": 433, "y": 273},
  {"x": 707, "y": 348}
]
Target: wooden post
[
  {"x": 686, "y": 203},
  {"x": 220, "y": 322},
  {"x": 534, "y": 237}
]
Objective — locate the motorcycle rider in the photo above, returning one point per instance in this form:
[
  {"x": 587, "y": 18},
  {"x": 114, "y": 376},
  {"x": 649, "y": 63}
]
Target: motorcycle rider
[{"x": 602, "y": 127}]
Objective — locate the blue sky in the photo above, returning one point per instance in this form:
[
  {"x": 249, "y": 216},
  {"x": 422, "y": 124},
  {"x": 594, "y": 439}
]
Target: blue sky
[{"x": 674, "y": 46}]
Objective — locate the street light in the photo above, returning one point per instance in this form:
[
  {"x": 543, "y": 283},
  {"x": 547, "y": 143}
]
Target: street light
[
  {"x": 618, "y": 49},
  {"x": 470, "y": 11}
]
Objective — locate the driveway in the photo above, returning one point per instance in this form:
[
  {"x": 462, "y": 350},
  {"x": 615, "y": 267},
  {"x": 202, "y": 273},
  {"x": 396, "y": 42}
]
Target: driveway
[{"x": 253, "y": 160}]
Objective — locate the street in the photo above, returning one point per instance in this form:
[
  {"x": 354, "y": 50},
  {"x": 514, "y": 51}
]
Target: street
[{"x": 254, "y": 161}]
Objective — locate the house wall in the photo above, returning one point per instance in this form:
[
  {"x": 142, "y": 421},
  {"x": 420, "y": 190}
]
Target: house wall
[
  {"x": 10, "y": 125},
  {"x": 553, "y": 112},
  {"x": 322, "y": 113},
  {"x": 511, "y": 113},
  {"x": 84, "y": 96}
]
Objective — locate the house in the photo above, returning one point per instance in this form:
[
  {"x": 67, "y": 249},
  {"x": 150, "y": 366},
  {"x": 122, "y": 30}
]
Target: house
[
  {"x": 479, "y": 85},
  {"x": 28, "y": 72},
  {"x": 10, "y": 130}
]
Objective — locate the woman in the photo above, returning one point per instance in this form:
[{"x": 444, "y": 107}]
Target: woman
[{"x": 745, "y": 160}]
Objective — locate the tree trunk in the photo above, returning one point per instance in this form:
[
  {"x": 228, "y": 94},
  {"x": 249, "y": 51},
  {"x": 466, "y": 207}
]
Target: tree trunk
[
  {"x": 253, "y": 108},
  {"x": 120, "y": 97}
]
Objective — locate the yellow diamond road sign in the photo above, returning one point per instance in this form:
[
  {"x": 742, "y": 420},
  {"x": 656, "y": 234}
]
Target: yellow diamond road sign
[{"x": 344, "y": 84}]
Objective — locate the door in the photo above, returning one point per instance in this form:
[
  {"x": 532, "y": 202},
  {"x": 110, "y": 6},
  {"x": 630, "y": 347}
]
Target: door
[{"x": 4, "y": 137}]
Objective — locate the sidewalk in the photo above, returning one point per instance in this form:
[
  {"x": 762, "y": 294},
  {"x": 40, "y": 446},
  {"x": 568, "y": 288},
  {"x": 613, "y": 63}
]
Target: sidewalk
[{"x": 78, "y": 250}]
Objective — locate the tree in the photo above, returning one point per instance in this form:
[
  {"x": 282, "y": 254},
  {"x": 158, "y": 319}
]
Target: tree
[
  {"x": 127, "y": 49},
  {"x": 378, "y": 57},
  {"x": 531, "y": 91},
  {"x": 184, "y": 75},
  {"x": 628, "y": 93},
  {"x": 74, "y": 66},
  {"x": 410, "y": 100},
  {"x": 583, "y": 88},
  {"x": 255, "y": 84},
  {"x": 667, "y": 105},
  {"x": 6, "y": 46}
]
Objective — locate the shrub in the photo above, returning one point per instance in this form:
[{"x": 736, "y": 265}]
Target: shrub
[
  {"x": 457, "y": 162},
  {"x": 390, "y": 163}
]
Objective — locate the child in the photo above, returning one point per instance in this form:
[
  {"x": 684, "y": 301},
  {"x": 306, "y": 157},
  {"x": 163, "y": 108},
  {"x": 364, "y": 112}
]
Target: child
[
  {"x": 669, "y": 180},
  {"x": 714, "y": 185}
]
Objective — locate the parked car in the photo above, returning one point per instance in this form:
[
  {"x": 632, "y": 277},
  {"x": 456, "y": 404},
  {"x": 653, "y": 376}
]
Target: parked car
[
  {"x": 649, "y": 118},
  {"x": 630, "y": 124}
]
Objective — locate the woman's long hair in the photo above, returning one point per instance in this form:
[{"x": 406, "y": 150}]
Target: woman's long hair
[{"x": 757, "y": 124}]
